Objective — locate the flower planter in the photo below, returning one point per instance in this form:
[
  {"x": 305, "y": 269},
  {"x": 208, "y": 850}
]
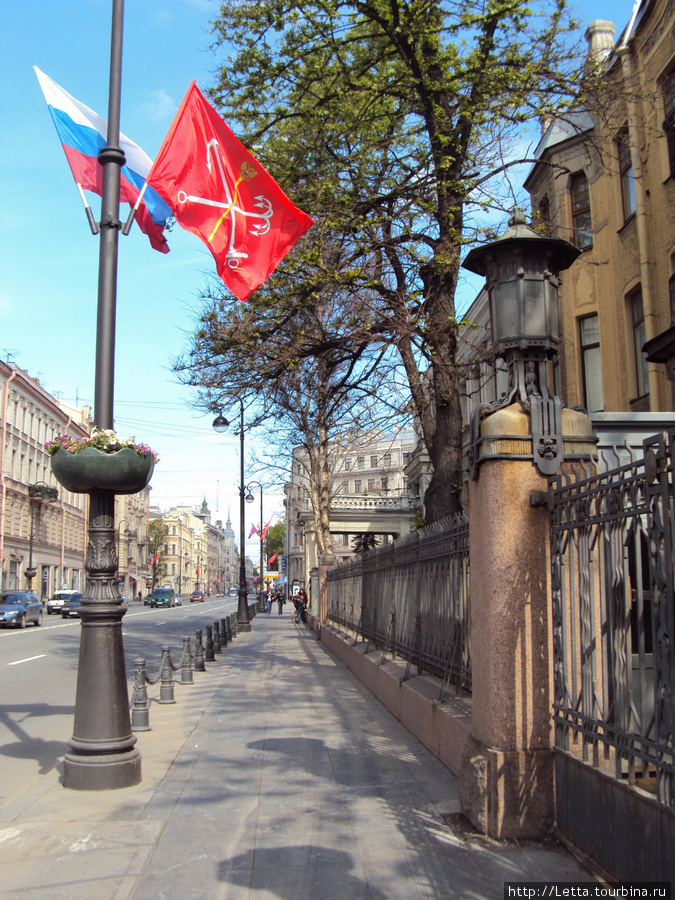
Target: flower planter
[{"x": 124, "y": 472}]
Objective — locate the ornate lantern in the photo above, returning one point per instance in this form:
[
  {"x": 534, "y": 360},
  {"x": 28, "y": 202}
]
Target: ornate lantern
[{"x": 521, "y": 268}]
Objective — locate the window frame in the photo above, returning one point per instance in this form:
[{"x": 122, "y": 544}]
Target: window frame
[
  {"x": 581, "y": 211},
  {"x": 585, "y": 348},
  {"x": 626, "y": 176},
  {"x": 639, "y": 337}
]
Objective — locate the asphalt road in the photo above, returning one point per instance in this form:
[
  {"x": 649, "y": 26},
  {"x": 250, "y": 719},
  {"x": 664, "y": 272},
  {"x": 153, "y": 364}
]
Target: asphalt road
[{"x": 39, "y": 679}]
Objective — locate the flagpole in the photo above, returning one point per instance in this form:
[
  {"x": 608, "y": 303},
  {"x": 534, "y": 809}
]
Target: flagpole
[{"x": 102, "y": 753}]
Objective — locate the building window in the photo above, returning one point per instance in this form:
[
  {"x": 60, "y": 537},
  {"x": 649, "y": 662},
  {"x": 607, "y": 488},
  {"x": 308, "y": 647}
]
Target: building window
[
  {"x": 360, "y": 462},
  {"x": 373, "y": 462},
  {"x": 387, "y": 460},
  {"x": 357, "y": 487},
  {"x": 345, "y": 540},
  {"x": 348, "y": 465},
  {"x": 581, "y": 211},
  {"x": 589, "y": 332},
  {"x": 371, "y": 484},
  {"x": 626, "y": 173},
  {"x": 669, "y": 122},
  {"x": 639, "y": 338},
  {"x": 385, "y": 483}
]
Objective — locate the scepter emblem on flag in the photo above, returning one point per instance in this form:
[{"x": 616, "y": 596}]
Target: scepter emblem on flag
[{"x": 230, "y": 207}]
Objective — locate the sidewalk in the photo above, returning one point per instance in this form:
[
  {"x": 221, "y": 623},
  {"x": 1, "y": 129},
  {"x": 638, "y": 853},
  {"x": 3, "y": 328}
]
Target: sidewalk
[{"x": 276, "y": 776}]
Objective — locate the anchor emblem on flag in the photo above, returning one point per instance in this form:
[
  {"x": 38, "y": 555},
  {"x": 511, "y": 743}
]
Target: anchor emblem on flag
[
  {"x": 229, "y": 205},
  {"x": 219, "y": 191}
]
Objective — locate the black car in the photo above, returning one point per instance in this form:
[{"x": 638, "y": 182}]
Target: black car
[
  {"x": 72, "y": 606},
  {"x": 17, "y": 608}
]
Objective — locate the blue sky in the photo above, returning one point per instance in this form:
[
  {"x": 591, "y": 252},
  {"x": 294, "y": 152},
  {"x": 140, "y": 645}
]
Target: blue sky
[{"x": 49, "y": 259}]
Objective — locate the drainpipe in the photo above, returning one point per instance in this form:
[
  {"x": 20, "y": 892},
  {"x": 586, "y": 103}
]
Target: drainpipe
[
  {"x": 625, "y": 54},
  {"x": 3, "y": 489}
]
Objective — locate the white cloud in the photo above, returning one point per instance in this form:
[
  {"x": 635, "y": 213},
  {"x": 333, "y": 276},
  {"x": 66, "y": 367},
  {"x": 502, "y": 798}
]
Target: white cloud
[{"x": 159, "y": 107}]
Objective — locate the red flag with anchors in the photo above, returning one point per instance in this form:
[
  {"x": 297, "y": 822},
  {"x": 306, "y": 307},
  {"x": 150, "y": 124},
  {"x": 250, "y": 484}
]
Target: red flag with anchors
[{"x": 220, "y": 192}]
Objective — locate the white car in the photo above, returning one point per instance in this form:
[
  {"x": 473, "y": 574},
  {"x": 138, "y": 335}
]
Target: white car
[{"x": 55, "y": 602}]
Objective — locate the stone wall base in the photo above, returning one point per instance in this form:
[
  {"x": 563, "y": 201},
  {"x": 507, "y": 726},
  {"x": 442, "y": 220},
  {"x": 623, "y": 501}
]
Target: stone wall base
[
  {"x": 443, "y": 728},
  {"x": 507, "y": 794}
]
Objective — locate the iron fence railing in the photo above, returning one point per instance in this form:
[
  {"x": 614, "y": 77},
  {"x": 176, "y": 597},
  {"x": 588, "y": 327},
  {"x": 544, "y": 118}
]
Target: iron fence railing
[
  {"x": 612, "y": 595},
  {"x": 411, "y": 598}
]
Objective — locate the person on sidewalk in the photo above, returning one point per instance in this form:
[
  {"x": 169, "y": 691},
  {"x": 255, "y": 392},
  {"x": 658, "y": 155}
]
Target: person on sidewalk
[
  {"x": 299, "y": 608},
  {"x": 269, "y": 603},
  {"x": 280, "y": 601}
]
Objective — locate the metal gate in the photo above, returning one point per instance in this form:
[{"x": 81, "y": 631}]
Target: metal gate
[{"x": 614, "y": 662}]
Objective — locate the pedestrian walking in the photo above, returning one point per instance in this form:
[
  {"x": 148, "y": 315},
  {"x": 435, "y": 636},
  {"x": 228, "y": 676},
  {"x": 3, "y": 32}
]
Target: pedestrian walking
[{"x": 280, "y": 601}]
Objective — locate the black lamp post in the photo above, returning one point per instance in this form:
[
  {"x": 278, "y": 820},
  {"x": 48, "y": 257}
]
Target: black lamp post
[
  {"x": 249, "y": 499},
  {"x": 37, "y": 494},
  {"x": 181, "y": 578},
  {"x": 521, "y": 269},
  {"x": 220, "y": 424},
  {"x": 102, "y": 754}
]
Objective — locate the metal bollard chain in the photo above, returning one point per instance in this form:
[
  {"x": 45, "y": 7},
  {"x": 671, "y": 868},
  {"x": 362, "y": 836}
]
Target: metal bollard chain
[
  {"x": 166, "y": 671},
  {"x": 140, "y": 713},
  {"x": 199, "y": 652},
  {"x": 208, "y": 655}
]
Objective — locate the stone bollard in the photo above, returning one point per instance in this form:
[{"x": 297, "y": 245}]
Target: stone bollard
[
  {"x": 223, "y": 633},
  {"x": 233, "y": 627},
  {"x": 186, "y": 668},
  {"x": 209, "y": 644},
  {"x": 166, "y": 672},
  {"x": 199, "y": 653},
  {"x": 140, "y": 712},
  {"x": 216, "y": 637}
]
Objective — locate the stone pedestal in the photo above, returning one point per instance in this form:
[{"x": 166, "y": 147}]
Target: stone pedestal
[{"x": 506, "y": 783}]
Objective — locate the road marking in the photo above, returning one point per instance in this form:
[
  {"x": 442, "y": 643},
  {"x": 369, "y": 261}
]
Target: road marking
[{"x": 27, "y": 659}]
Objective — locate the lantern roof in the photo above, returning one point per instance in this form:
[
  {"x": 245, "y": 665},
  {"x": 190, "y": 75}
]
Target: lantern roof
[{"x": 519, "y": 232}]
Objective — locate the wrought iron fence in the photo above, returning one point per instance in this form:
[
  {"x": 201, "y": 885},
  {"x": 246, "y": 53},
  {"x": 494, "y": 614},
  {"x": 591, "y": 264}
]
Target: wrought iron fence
[
  {"x": 614, "y": 640},
  {"x": 411, "y": 598}
]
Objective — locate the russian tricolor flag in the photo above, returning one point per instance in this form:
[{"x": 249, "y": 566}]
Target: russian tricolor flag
[{"x": 82, "y": 134}]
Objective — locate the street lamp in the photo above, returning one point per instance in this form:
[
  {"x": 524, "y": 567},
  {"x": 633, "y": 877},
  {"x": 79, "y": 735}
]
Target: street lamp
[
  {"x": 522, "y": 272},
  {"x": 184, "y": 558},
  {"x": 249, "y": 499},
  {"x": 220, "y": 424},
  {"x": 37, "y": 494},
  {"x": 102, "y": 751}
]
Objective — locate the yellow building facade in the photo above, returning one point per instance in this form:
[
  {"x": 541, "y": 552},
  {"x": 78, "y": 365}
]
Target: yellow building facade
[{"x": 605, "y": 181}]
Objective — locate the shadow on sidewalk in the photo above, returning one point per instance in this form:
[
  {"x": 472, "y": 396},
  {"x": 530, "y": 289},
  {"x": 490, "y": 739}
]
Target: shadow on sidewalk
[{"x": 292, "y": 872}]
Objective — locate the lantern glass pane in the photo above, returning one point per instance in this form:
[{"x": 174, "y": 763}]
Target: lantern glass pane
[
  {"x": 509, "y": 319},
  {"x": 534, "y": 308},
  {"x": 554, "y": 311}
]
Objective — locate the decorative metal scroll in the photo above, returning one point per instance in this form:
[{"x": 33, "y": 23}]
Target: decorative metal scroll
[
  {"x": 613, "y": 629},
  {"x": 423, "y": 579}
]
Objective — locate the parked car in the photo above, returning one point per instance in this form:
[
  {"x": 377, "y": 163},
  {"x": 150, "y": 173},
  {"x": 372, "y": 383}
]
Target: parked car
[
  {"x": 70, "y": 607},
  {"x": 17, "y": 608},
  {"x": 55, "y": 603},
  {"x": 197, "y": 597},
  {"x": 164, "y": 596}
]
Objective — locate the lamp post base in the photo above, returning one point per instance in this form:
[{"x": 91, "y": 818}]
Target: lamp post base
[
  {"x": 101, "y": 754},
  {"x": 107, "y": 772}
]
